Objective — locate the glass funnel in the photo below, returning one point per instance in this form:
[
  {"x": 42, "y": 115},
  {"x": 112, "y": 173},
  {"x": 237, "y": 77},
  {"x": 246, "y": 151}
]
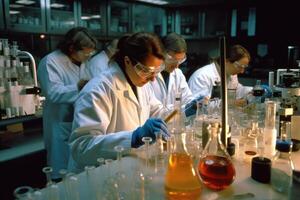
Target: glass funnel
[
  {"x": 215, "y": 166},
  {"x": 181, "y": 180}
]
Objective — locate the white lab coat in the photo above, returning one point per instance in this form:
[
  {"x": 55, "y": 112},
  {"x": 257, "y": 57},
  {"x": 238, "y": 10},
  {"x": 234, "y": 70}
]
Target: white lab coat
[
  {"x": 98, "y": 63},
  {"x": 177, "y": 82},
  {"x": 58, "y": 78},
  {"x": 106, "y": 113},
  {"x": 202, "y": 81}
]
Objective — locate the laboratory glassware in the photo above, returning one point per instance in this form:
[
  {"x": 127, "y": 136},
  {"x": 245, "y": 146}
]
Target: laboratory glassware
[
  {"x": 270, "y": 132},
  {"x": 52, "y": 190},
  {"x": 215, "y": 166},
  {"x": 23, "y": 193},
  {"x": 181, "y": 179},
  {"x": 282, "y": 167}
]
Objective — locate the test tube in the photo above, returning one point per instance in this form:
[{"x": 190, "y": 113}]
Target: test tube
[
  {"x": 147, "y": 141},
  {"x": 23, "y": 193},
  {"x": 92, "y": 183},
  {"x": 52, "y": 190}
]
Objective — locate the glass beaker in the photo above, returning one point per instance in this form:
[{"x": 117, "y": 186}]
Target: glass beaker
[
  {"x": 181, "y": 180},
  {"x": 215, "y": 166}
]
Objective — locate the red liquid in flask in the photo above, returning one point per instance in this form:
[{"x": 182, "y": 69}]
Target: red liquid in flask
[{"x": 216, "y": 172}]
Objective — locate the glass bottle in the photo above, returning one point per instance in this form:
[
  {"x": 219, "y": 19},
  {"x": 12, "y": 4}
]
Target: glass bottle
[
  {"x": 282, "y": 168},
  {"x": 181, "y": 180},
  {"x": 215, "y": 166}
]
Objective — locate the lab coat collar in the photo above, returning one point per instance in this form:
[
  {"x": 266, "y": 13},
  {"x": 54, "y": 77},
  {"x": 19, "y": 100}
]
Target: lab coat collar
[{"x": 122, "y": 84}]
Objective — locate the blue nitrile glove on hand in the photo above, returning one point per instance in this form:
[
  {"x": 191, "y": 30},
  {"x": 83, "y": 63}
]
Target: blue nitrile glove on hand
[
  {"x": 267, "y": 91},
  {"x": 149, "y": 129},
  {"x": 191, "y": 108}
]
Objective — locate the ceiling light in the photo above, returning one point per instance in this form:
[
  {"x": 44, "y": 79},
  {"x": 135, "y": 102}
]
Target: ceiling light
[
  {"x": 157, "y": 2},
  {"x": 96, "y": 16},
  {"x": 57, "y": 5},
  {"x": 25, "y": 2},
  {"x": 14, "y": 12},
  {"x": 85, "y": 17}
]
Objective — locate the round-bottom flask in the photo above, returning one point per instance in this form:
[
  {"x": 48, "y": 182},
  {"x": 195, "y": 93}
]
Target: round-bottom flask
[{"x": 215, "y": 166}]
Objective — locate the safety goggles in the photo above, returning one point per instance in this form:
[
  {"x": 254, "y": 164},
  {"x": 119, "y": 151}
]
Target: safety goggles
[
  {"x": 86, "y": 54},
  {"x": 172, "y": 60},
  {"x": 145, "y": 71},
  {"x": 239, "y": 65}
]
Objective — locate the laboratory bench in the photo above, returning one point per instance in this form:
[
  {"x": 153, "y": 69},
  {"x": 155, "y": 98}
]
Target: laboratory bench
[{"x": 22, "y": 154}]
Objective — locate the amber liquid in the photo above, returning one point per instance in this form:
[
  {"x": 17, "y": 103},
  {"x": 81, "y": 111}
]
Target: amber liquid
[
  {"x": 216, "y": 172},
  {"x": 182, "y": 181}
]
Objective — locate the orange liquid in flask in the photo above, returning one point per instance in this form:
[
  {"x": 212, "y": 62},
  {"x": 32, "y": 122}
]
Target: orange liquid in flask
[{"x": 182, "y": 181}]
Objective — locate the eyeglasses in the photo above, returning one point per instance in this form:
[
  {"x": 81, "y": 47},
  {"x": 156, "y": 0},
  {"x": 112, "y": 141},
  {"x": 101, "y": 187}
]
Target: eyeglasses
[
  {"x": 239, "y": 65},
  {"x": 145, "y": 71},
  {"x": 172, "y": 60},
  {"x": 81, "y": 52}
]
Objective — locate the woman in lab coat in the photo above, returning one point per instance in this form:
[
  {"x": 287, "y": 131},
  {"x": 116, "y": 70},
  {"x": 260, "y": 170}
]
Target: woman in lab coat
[
  {"x": 204, "y": 79},
  {"x": 61, "y": 74},
  {"x": 114, "y": 109},
  {"x": 172, "y": 81}
]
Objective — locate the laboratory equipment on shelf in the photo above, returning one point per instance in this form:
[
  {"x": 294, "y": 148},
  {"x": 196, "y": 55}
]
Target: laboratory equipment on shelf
[
  {"x": 18, "y": 86},
  {"x": 215, "y": 166},
  {"x": 286, "y": 89}
]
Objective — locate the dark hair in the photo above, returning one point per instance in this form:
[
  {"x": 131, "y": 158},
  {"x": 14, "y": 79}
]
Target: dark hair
[
  {"x": 234, "y": 53},
  {"x": 237, "y": 52},
  {"x": 78, "y": 38},
  {"x": 174, "y": 42},
  {"x": 138, "y": 46}
]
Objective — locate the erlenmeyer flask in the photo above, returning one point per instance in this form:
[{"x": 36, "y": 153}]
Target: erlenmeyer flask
[
  {"x": 215, "y": 167},
  {"x": 181, "y": 180}
]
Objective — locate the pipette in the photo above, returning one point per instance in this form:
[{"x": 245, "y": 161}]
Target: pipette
[{"x": 170, "y": 116}]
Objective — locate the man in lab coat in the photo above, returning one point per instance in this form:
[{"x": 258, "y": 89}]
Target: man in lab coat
[
  {"x": 172, "y": 81},
  {"x": 61, "y": 75},
  {"x": 114, "y": 108},
  {"x": 99, "y": 63},
  {"x": 204, "y": 79}
]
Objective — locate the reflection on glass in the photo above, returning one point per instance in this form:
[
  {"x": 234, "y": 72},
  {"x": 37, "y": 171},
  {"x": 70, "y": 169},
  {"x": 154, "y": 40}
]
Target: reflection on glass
[
  {"x": 119, "y": 17},
  {"x": 144, "y": 20},
  {"x": 91, "y": 16},
  {"x": 25, "y": 12},
  {"x": 189, "y": 23},
  {"x": 62, "y": 14}
]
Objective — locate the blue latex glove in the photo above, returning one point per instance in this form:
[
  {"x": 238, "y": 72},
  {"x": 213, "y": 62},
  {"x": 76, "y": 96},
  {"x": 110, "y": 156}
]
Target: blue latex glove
[
  {"x": 151, "y": 127},
  {"x": 268, "y": 91},
  {"x": 191, "y": 108}
]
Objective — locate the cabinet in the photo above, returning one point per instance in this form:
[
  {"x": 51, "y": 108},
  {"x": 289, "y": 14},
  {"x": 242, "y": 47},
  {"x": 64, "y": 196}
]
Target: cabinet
[
  {"x": 1, "y": 16},
  {"x": 189, "y": 23},
  {"x": 200, "y": 23},
  {"x": 61, "y": 15},
  {"x": 119, "y": 16},
  {"x": 93, "y": 17},
  {"x": 149, "y": 19},
  {"x": 25, "y": 16}
]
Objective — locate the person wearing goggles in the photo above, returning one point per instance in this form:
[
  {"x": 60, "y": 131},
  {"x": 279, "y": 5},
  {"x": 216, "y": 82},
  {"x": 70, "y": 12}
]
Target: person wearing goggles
[
  {"x": 171, "y": 81},
  {"x": 204, "y": 80},
  {"x": 61, "y": 75},
  {"x": 118, "y": 107}
]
